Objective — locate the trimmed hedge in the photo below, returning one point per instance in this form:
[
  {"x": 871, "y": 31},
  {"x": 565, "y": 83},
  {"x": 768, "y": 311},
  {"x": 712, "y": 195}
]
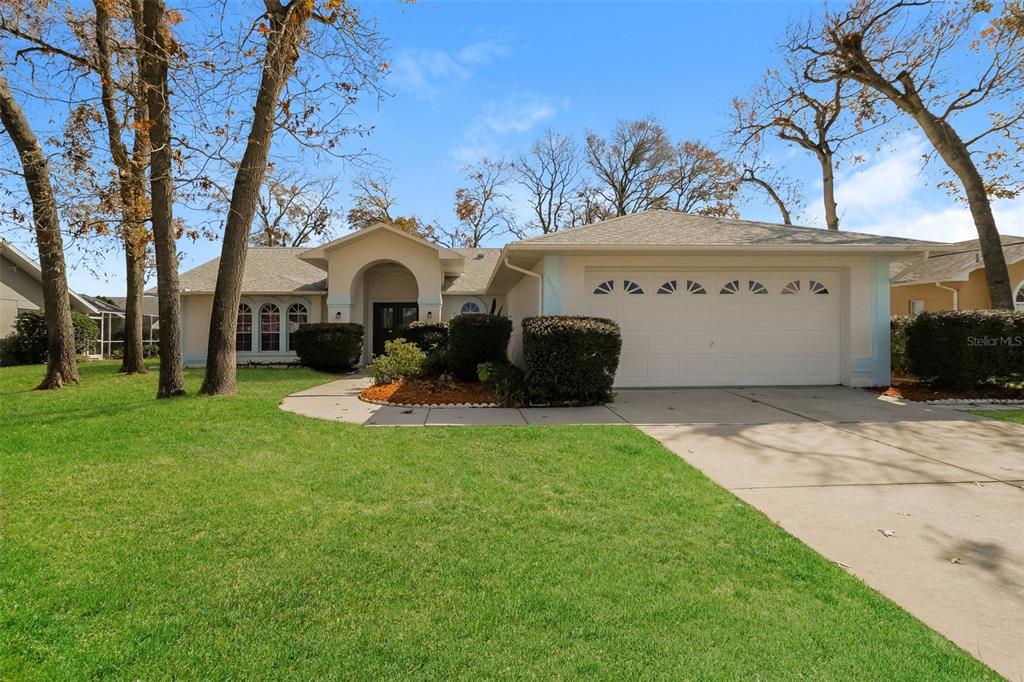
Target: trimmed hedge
[
  {"x": 27, "y": 345},
  {"x": 475, "y": 338},
  {"x": 426, "y": 335},
  {"x": 570, "y": 358},
  {"x": 967, "y": 347},
  {"x": 401, "y": 360},
  {"x": 506, "y": 381},
  {"x": 898, "y": 344},
  {"x": 328, "y": 346}
]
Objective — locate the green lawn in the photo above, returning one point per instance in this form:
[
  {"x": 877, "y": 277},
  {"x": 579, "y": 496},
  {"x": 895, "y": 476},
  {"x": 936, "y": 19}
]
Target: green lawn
[
  {"x": 1013, "y": 416},
  {"x": 215, "y": 538}
]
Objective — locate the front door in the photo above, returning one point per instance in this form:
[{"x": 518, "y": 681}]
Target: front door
[{"x": 389, "y": 319}]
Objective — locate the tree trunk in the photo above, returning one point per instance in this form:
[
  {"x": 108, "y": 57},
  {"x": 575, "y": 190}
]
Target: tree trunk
[
  {"x": 131, "y": 189},
  {"x": 133, "y": 360},
  {"x": 172, "y": 380},
  {"x": 278, "y": 64},
  {"x": 957, "y": 156},
  {"x": 828, "y": 190},
  {"x": 61, "y": 367}
]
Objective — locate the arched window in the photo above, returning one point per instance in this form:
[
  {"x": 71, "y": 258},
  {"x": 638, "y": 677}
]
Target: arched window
[
  {"x": 605, "y": 287},
  {"x": 693, "y": 287},
  {"x": 631, "y": 287},
  {"x": 756, "y": 287},
  {"x": 668, "y": 287},
  {"x": 732, "y": 287},
  {"x": 296, "y": 315},
  {"x": 1018, "y": 300},
  {"x": 817, "y": 288},
  {"x": 243, "y": 330},
  {"x": 270, "y": 327},
  {"x": 792, "y": 288},
  {"x": 469, "y": 308}
]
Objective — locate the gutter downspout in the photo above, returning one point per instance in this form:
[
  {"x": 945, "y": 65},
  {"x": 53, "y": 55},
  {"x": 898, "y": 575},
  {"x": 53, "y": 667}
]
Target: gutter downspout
[
  {"x": 540, "y": 283},
  {"x": 956, "y": 295}
]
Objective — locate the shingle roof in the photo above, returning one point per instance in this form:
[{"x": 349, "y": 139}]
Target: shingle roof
[
  {"x": 671, "y": 228},
  {"x": 944, "y": 267},
  {"x": 478, "y": 264},
  {"x": 267, "y": 270}
]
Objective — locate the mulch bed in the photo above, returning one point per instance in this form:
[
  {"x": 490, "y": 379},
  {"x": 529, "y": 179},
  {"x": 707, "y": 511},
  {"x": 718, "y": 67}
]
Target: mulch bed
[
  {"x": 428, "y": 392},
  {"x": 908, "y": 389}
]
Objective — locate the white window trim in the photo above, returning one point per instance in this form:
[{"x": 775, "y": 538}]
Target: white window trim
[
  {"x": 1018, "y": 293},
  {"x": 282, "y": 303}
]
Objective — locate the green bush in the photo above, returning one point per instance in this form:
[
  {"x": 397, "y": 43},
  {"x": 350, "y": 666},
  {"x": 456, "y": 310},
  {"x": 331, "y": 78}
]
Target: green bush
[
  {"x": 150, "y": 350},
  {"x": 474, "y": 338},
  {"x": 328, "y": 346},
  {"x": 27, "y": 344},
  {"x": 401, "y": 360},
  {"x": 966, "y": 348},
  {"x": 898, "y": 344},
  {"x": 436, "y": 362},
  {"x": 571, "y": 359},
  {"x": 506, "y": 381},
  {"x": 426, "y": 335}
]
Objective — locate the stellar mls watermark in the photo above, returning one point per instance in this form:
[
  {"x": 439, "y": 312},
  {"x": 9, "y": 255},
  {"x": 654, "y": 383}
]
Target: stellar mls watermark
[{"x": 995, "y": 341}]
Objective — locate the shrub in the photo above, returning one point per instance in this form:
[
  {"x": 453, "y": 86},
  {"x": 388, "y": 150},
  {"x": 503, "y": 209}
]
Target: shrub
[
  {"x": 436, "y": 362},
  {"x": 474, "y": 338},
  {"x": 506, "y": 381},
  {"x": 328, "y": 346},
  {"x": 150, "y": 350},
  {"x": 427, "y": 335},
  {"x": 966, "y": 348},
  {"x": 27, "y": 345},
  {"x": 401, "y": 360},
  {"x": 898, "y": 344},
  {"x": 571, "y": 359}
]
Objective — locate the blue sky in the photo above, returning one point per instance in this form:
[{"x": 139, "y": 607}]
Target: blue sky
[{"x": 475, "y": 78}]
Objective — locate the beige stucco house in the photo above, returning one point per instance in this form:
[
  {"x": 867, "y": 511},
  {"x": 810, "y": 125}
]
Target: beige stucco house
[
  {"x": 702, "y": 301},
  {"x": 954, "y": 279},
  {"x": 21, "y": 288}
]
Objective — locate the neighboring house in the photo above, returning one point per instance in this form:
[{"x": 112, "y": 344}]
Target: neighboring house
[
  {"x": 110, "y": 310},
  {"x": 21, "y": 288},
  {"x": 701, "y": 301},
  {"x": 955, "y": 280}
]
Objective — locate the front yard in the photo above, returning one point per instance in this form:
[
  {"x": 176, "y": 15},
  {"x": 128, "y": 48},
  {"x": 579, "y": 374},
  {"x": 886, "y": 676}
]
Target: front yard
[{"x": 213, "y": 538}]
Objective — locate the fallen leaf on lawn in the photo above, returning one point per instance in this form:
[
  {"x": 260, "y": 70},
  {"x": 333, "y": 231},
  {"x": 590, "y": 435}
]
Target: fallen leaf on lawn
[{"x": 887, "y": 532}]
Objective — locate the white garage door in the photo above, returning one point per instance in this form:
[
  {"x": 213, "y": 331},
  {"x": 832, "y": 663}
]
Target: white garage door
[{"x": 722, "y": 328}]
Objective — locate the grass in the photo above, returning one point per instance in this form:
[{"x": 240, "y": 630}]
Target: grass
[
  {"x": 1012, "y": 416},
  {"x": 215, "y": 538}
]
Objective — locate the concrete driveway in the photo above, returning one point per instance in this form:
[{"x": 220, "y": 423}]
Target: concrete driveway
[{"x": 925, "y": 504}]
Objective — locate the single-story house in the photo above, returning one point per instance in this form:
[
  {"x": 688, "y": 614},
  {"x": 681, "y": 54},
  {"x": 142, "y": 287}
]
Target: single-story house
[
  {"x": 21, "y": 288},
  {"x": 954, "y": 279},
  {"x": 701, "y": 301}
]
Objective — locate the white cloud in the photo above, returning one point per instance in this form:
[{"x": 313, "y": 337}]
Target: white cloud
[
  {"x": 424, "y": 73},
  {"x": 890, "y": 194},
  {"x": 498, "y": 120}
]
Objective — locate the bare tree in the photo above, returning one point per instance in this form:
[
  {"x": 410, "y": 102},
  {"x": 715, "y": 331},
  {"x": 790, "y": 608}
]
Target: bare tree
[
  {"x": 549, "y": 173},
  {"x": 290, "y": 211},
  {"x": 630, "y": 168},
  {"x": 701, "y": 181},
  {"x": 587, "y": 206},
  {"x": 902, "y": 50},
  {"x": 800, "y": 112},
  {"x": 60, "y": 335},
  {"x": 289, "y": 30},
  {"x": 158, "y": 46},
  {"x": 374, "y": 202},
  {"x": 481, "y": 206}
]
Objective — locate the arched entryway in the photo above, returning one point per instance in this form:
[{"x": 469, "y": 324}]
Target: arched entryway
[{"x": 386, "y": 298}]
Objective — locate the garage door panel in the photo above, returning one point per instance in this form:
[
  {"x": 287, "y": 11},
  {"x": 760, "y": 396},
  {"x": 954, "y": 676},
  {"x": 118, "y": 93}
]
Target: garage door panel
[{"x": 680, "y": 338}]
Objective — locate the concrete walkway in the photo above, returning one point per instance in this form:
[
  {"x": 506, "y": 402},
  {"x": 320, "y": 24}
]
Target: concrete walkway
[
  {"x": 923, "y": 503},
  {"x": 339, "y": 401}
]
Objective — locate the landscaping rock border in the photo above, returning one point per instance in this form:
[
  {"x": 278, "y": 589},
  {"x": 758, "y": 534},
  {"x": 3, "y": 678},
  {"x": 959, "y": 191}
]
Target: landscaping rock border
[
  {"x": 389, "y": 403},
  {"x": 975, "y": 401}
]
